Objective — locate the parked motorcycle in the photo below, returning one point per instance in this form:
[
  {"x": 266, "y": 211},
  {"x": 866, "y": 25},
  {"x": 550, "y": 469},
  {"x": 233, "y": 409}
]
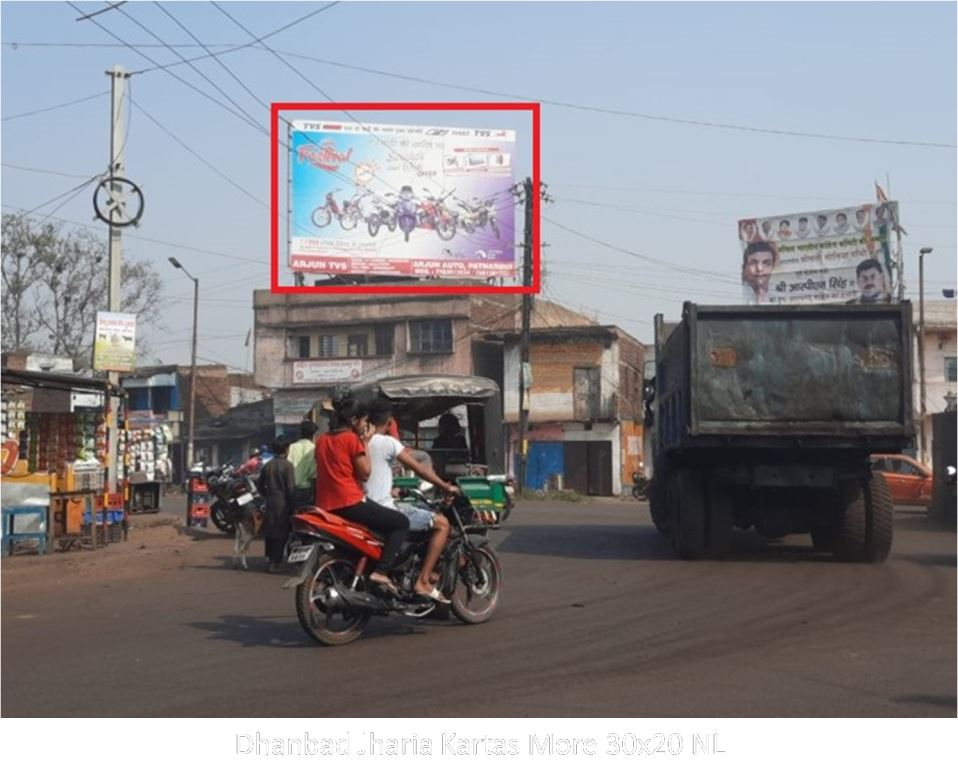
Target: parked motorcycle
[
  {"x": 406, "y": 211},
  {"x": 232, "y": 490},
  {"x": 348, "y": 215},
  {"x": 335, "y": 598},
  {"x": 640, "y": 486},
  {"x": 384, "y": 211},
  {"x": 435, "y": 214}
]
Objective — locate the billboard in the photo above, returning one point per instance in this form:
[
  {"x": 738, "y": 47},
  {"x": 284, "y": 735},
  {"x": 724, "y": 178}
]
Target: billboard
[
  {"x": 401, "y": 200},
  {"x": 840, "y": 255},
  {"x": 114, "y": 342}
]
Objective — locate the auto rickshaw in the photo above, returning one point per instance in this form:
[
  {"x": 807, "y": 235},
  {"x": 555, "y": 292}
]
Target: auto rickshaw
[{"x": 476, "y": 465}]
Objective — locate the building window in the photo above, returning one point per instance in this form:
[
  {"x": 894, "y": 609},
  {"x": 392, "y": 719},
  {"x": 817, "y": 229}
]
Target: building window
[
  {"x": 299, "y": 346},
  {"x": 430, "y": 336},
  {"x": 357, "y": 345},
  {"x": 951, "y": 369},
  {"x": 384, "y": 339},
  {"x": 329, "y": 346},
  {"x": 585, "y": 394}
]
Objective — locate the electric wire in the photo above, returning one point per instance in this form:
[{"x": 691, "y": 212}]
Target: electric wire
[
  {"x": 625, "y": 113},
  {"x": 198, "y": 156},
  {"x": 54, "y": 107},
  {"x": 197, "y": 70}
]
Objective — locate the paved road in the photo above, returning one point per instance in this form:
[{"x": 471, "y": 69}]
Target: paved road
[{"x": 597, "y": 618}]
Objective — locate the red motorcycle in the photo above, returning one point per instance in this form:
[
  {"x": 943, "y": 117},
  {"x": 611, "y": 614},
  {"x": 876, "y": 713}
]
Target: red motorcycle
[
  {"x": 335, "y": 598},
  {"x": 435, "y": 214}
]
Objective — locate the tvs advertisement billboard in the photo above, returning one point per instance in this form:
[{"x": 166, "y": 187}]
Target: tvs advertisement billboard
[
  {"x": 840, "y": 255},
  {"x": 401, "y": 200}
]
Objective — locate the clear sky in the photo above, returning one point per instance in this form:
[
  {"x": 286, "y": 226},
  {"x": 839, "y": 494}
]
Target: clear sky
[{"x": 663, "y": 189}]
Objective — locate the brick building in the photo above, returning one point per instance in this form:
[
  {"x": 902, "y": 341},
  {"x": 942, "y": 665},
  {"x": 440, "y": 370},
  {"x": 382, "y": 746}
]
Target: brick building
[
  {"x": 585, "y": 406},
  {"x": 308, "y": 346}
]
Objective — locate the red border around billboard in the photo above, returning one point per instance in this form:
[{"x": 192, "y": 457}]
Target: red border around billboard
[{"x": 277, "y": 107}]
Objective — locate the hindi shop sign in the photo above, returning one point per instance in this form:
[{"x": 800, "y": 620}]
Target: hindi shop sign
[
  {"x": 327, "y": 371},
  {"x": 401, "y": 200},
  {"x": 819, "y": 257},
  {"x": 114, "y": 342}
]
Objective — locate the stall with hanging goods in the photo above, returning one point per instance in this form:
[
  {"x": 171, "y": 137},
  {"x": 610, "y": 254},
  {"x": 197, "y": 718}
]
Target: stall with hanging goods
[{"x": 60, "y": 482}]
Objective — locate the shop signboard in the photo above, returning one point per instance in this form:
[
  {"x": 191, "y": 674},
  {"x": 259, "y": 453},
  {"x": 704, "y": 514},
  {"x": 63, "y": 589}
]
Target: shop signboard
[
  {"x": 401, "y": 200},
  {"x": 840, "y": 255},
  {"x": 327, "y": 371},
  {"x": 114, "y": 342}
]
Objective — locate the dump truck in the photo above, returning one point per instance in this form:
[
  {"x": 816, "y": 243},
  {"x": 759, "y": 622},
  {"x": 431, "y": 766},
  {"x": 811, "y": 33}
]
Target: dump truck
[{"x": 764, "y": 417}]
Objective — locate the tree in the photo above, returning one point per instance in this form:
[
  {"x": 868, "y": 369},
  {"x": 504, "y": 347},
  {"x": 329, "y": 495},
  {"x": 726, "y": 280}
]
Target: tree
[{"x": 54, "y": 284}]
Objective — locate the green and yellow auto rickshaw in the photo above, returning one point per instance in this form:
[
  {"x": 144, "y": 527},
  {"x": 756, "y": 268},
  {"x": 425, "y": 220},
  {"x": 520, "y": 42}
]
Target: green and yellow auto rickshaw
[{"x": 470, "y": 454}]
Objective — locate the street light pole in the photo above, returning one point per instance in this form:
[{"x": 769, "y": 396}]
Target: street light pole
[
  {"x": 196, "y": 304},
  {"x": 921, "y": 351}
]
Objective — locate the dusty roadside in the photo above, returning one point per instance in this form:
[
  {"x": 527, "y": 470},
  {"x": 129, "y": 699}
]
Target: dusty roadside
[{"x": 155, "y": 543}]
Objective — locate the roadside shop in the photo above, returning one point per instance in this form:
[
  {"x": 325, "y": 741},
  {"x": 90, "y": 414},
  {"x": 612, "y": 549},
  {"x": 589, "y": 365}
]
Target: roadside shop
[{"x": 63, "y": 481}]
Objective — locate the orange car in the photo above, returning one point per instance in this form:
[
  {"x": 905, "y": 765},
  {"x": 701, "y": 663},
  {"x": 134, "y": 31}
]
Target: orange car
[{"x": 909, "y": 480}]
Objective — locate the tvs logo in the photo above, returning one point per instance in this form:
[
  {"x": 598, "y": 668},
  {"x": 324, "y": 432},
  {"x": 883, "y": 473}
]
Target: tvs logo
[{"x": 323, "y": 155}]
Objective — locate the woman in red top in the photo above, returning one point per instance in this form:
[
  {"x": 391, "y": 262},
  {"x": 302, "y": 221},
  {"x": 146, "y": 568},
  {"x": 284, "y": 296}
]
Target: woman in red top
[{"x": 342, "y": 467}]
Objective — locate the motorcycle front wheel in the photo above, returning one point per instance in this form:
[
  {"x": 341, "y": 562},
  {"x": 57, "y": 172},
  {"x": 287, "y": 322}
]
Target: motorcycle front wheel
[
  {"x": 349, "y": 220},
  {"x": 321, "y": 613},
  {"x": 476, "y": 596},
  {"x": 220, "y": 515},
  {"x": 322, "y": 217},
  {"x": 446, "y": 229},
  {"x": 373, "y": 225}
]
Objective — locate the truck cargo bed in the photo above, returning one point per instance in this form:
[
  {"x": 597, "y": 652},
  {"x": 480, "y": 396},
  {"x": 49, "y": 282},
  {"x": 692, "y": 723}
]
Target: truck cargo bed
[{"x": 796, "y": 371}]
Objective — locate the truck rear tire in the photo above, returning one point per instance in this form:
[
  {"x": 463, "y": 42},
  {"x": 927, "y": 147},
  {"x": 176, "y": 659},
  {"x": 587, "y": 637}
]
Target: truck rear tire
[
  {"x": 864, "y": 530},
  {"x": 718, "y": 535},
  {"x": 687, "y": 513},
  {"x": 659, "y": 505}
]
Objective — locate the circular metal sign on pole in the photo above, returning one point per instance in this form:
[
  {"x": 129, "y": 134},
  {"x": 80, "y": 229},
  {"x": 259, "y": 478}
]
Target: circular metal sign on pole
[{"x": 110, "y": 205}]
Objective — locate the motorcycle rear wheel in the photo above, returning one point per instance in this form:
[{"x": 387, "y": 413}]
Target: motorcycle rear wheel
[
  {"x": 312, "y": 597},
  {"x": 220, "y": 515},
  {"x": 476, "y": 596}
]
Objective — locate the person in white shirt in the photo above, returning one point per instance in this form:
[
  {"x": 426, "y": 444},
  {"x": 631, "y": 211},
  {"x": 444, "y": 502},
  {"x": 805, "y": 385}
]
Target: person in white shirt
[{"x": 383, "y": 450}]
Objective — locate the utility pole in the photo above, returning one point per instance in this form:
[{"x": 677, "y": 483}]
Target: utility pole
[
  {"x": 524, "y": 337},
  {"x": 118, "y": 78},
  {"x": 921, "y": 351},
  {"x": 196, "y": 304}
]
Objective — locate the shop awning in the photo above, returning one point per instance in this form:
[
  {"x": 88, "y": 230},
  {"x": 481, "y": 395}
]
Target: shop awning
[{"x": 59, "y": 381}]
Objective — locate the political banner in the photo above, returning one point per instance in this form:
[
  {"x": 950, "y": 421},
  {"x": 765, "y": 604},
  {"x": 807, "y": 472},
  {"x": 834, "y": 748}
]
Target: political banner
[
  {"x": 401, "y": 200},
  {"x": 114, "y": 342},
  {"x": 839, "y": 255}
]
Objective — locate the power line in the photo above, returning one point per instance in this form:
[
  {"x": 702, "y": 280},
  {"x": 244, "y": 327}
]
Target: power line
[
  {"x": 259, "y": 40},
  {"x": 622, "y": 112},
  {"x": 45, "y": 170},
  {"x": 636, "y": 254},
  {"x": 72, "y": 191},
  {"x": 55, "y": 106},
  {"x": 172, "y": 74},
  {"x": 215, "y": 56},
  {"x": 659, "y": 190},
  {"x": 167, "y": 243},
  {"x": 196, "y": 69},
  {"x": 198, "y": 156}
]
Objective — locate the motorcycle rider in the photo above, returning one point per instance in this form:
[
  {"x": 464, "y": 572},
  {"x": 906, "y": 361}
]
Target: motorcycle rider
[
  {"x": 383, "y": 450},
  {"x": 342, "y": 466}
]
